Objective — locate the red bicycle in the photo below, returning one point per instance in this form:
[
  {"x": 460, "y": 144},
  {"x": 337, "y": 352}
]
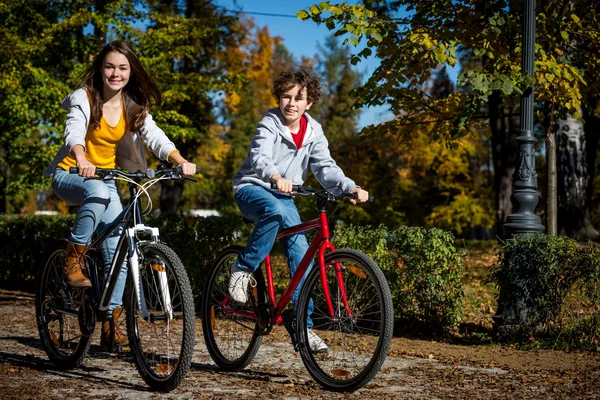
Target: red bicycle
[{"x": 352, "y": 308}]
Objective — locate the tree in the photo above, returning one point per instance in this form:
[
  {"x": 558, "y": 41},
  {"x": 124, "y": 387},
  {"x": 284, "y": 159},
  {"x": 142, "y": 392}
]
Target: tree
[
  {"x": 40, "y": 63},
  {"x": 38, "y": 66},
  {"x": 431, "y": 33},
  {"x": 258, "y": 59},
  {"x": 182, "y": 47}
]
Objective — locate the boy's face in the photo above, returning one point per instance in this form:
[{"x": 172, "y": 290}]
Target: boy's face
[{"x": 293, "y": 103}]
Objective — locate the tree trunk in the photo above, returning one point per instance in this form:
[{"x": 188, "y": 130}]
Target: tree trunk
[
  {"x": 3, "y": 182},
  {"x": 170, "y": 196},
  {"x": 551, "y": 196},
  {"x": 504, "y": 155},
  {"x": 573, "y": 181}
]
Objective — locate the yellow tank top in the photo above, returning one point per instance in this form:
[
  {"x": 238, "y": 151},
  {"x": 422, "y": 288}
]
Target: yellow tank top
[{"x": 100, "y": 145}]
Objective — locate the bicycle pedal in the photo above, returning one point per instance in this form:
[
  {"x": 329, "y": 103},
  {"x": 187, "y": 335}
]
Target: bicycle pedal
[{"x": 115, "y": 349}]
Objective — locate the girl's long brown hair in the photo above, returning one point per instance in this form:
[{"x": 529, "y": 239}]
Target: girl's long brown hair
[{"x": 137, "y": 94}]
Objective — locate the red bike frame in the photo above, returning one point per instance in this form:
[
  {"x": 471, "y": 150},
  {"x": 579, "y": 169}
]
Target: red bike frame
[{"x": 320, "y": 244}]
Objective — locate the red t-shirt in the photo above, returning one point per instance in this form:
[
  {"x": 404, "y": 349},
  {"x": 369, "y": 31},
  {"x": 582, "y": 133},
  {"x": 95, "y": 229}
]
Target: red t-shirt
[{"x": 299, "y": 137}]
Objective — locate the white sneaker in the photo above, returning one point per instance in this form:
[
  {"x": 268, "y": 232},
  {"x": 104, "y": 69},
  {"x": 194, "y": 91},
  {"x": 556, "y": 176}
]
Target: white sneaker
[
  {"x": 316, "y": 344},
  {"x": 238, "y": 284}
]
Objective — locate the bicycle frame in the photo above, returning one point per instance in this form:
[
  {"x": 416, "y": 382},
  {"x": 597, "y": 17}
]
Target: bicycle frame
[{"x": 320, "y": 244}]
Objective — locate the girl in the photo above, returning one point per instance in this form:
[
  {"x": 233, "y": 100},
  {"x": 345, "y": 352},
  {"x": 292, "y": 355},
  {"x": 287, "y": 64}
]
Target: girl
[{"x": 107, "y": 121}]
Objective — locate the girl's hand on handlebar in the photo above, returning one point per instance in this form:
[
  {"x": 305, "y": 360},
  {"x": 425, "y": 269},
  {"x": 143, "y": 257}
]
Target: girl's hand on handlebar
[
  {"x": 283, "y": 185},
  {"x": 85, "y": 168},
  {"x": 188, "y": 168},
  {"x": 362, "y": 196}
]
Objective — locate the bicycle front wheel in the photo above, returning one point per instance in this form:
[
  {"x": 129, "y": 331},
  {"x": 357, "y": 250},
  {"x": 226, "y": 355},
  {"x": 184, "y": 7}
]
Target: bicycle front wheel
[
  {"x": 231, "y": 338},
  {"x": 61, "y": 312},
  {"x": 358, "y": 337},
  {"x": 162, "y": 342}
]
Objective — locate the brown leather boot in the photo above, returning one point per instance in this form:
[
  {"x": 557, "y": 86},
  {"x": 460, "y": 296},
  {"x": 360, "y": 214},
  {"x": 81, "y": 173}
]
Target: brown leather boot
[
  {"x": 74, "y": 266},
  {"x": 120, "y": 336}
]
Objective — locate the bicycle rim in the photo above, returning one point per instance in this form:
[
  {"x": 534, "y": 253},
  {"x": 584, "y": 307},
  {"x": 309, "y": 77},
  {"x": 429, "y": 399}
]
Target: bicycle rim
[
  {"x": 57, "y": 310},
  {"x": 230, "y": 338},
  {"x": 163, "y": 343},
  {"x": 358, "y": 341}
]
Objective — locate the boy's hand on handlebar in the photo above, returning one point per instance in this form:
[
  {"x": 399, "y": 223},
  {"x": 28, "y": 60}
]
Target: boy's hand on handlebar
[
  {"x": 188, "y": 168},
  {"x": 362, "y": 196},
  {"x": 283, "y": 185},
  {"x": 86, "y": 168}
]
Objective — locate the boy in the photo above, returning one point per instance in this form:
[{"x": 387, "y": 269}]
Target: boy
[{"x": 287, "y": 142}]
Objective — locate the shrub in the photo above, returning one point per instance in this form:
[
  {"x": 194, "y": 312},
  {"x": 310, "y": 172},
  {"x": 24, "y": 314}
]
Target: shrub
[
  {"x": 423, "y": 269},
  {"x": 552, "y": 287},
  {"x": 29, "y": 240}
]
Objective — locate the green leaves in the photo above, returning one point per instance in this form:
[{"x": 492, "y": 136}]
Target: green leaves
[{"x": 356, "y": 21}]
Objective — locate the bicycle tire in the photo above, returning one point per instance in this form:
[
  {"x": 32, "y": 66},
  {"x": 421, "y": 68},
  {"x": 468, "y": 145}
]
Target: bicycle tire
[
  {"x": 60, "y": 332},
  {"x": 357, "y": 345},
  {"x": 162, "y": 347},
  {"x": 232, "y": 340}
]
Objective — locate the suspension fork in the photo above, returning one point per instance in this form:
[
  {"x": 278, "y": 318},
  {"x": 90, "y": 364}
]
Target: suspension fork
[{"x": 135, "y": 255}]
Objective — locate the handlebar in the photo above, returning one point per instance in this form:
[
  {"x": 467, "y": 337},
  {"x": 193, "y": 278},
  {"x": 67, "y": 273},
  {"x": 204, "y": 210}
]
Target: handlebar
[
  {"x": 110, "y": 173},
  {"x": 300, "y": 190}
]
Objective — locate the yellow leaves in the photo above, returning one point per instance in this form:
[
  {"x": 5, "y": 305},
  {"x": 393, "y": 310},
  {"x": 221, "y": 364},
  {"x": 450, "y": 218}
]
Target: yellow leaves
[
  {"x": 558, "y": 82},
  {"x": 232, "y": 101}
]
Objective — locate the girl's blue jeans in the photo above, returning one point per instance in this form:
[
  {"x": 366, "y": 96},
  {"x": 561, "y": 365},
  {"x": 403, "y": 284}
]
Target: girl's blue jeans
[
  {"x": 272, "y": 212},
  {"x": 99, "y": 204}
]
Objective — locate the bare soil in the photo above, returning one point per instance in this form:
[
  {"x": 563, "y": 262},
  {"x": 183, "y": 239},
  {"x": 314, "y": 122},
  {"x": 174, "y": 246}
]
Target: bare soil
[{"x": 414, "y": 369}]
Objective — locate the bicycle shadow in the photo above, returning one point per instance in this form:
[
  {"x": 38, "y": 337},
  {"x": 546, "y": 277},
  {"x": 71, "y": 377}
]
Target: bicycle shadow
[
  {"x": 95, "y": 351},
  {"x": 82, "y": 371},
  {"x": 247, "y": 374}
]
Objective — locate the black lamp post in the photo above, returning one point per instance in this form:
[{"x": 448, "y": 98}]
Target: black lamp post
[
  {"x": 511, "y": 317},
  {"x": 525, "y": 197}
]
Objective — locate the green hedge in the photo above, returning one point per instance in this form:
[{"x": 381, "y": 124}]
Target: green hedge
[
  {"x": 422, "y": 265},
  {"x": 553, "y": 284},
  {"x": 29, "y": 240},
  {"x": 423, "y": 269}
]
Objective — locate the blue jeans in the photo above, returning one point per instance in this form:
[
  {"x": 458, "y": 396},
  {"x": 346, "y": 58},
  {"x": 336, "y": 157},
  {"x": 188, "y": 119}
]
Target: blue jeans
[
  {"x": 272, "y": 212},
  {"x": 99, "y": 204}
]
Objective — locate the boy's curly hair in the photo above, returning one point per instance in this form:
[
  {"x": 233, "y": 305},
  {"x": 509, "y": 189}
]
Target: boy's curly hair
[{"x": 303, "y": 77}]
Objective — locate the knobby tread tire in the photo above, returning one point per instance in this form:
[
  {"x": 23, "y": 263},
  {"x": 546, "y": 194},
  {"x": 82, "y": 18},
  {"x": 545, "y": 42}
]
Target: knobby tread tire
[
  {"x": 187, "y": 303},
  {"x": 217, "y": 355}
]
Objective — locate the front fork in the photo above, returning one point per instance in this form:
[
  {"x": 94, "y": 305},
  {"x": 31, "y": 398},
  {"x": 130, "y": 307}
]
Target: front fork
[
  {"x": 159, "y": 269},
  {"x": 134, "y": 255}
]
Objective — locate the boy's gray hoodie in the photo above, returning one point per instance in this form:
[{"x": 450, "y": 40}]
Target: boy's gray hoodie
[{"x": 273, "y": 151}]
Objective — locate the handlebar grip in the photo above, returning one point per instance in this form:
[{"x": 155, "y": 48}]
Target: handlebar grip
[
  {"x": 179, "y": 169},
  {"x": 295, "y": 188},
  {"x": 75, "y": 170}
]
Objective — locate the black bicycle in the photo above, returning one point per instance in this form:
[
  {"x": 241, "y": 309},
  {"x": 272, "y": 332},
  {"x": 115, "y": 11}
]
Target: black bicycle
[{"x": 158, "y": 300}]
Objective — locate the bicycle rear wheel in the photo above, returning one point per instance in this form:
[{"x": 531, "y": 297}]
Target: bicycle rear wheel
[
  {"x": 59, "y": 315},
  {"x": 231, "y": 339},
  {"x": 162, "y": 344},
  {"x": 358, "y": 342}
]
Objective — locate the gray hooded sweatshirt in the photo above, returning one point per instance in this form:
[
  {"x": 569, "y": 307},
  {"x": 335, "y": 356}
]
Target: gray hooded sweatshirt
[{"x": 273, "y": 151}]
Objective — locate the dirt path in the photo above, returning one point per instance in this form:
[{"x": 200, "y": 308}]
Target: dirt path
[{"x": 415, "y": 369}]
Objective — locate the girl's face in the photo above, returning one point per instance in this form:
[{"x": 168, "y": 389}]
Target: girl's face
[
  {"x": 293, "y": 103},
  {"x": 115, "y": 72}
]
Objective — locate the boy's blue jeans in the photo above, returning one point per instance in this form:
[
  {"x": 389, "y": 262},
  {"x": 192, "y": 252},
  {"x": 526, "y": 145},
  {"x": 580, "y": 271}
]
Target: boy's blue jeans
[
  {"x": 272, "y": 212},
  {"x": 99, "y": 204}
]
